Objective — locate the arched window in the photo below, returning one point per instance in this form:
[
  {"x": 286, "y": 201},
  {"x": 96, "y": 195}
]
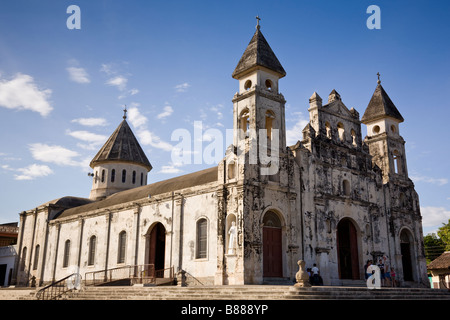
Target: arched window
[
  {"x": 328, "y": 129},
  {"x": 134, "y": 177},
  {"x": 66, "y": 254},
  {"x": 142, "y": 179},
  {"x": 24, "y": 258},
  {"x": 270, "y": 116},
  {"x": 268, "y": 84},
  {"x": 353, "y": 133},
  {"x": 113, "y": 175},
  {"x": 202, "y": 238},
  {"x": 124, "y": 175},
  {"x": 346, "y": 187},
  {"x": 92, "y": 245},
  {"x": 36, "y": 257},
  {"x": 245, "y": 123},
  {"x": 341, "y": 131},
  {"x": 231, "y": 170},
  {"x": 103, "y": 175},
  {"x": 122, "y": 247},
  {"x": 397, "y": 162}
]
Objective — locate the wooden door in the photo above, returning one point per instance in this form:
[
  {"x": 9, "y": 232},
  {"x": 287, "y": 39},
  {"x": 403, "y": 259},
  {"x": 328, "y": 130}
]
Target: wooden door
[{"x": 272, "y": 252}]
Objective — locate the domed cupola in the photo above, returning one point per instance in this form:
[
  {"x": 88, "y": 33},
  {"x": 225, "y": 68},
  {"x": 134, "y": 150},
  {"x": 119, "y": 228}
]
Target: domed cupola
[{"x": 120, "y": 164}]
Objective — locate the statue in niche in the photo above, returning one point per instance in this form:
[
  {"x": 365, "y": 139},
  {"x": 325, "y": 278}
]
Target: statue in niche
[{"x": 232, "y": 240}]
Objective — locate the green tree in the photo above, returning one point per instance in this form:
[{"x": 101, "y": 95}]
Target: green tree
[
  {"x": 444, "y": 233},
  {"x": 434, "y": 246}
]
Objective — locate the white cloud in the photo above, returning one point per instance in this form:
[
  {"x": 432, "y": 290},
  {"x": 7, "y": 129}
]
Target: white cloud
[
  {"x": 434, "y": 216},
  {"x": 91, "y": 122},
  {"x": 167, "y": 112},
  {"x": 147, "y": 137},
  {"x": 119, "y": 81},
  {"x": 137, "y": 119},
  {"x": 54, "y": 154},
  {"x": 78, "y": 75},
  {"x": 421, "y": 178},
  {"x": 107, "y": 68},
  {"x": 22, "y": 93},
  {"x": 33, "y": 171},
  {"x": 87, "y": 136},
  {"x": 132, "y": 92},
  {"x": 169, "y": 169},
  {"x": 182, "y": 87},
  {"x": 294, "y": 134}
]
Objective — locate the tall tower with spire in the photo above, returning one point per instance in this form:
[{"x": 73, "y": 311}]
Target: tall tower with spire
[
  {"x": 120, "y": 164},
  {"x": 386, "y": 145},
  {"x": 258, "y": 105}
]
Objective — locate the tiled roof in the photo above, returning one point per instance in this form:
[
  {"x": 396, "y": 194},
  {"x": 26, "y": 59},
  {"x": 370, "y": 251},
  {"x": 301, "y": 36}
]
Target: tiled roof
[
  {"x": 380, "y": 106},
  {"x": 122, "y": 146},
  {"x": 441, "y": 262},
  {"x": 258, "y": 53}
]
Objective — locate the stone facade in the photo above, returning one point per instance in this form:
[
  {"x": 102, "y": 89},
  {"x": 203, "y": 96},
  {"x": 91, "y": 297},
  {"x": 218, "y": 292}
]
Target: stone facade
[{"x": 334, "y": 199}]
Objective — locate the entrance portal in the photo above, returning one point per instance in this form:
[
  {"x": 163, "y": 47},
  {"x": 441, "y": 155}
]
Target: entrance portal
[
  {"x": 405, "y": 249},
  {"x": 156, "y": 248},
  {"x": 272, "y": 246},
  {"x": 347, "y": 244}
]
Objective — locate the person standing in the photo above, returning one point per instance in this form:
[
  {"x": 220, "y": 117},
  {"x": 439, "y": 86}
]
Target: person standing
[
  {"x": 381, "y": 266},
  {"x": 315, "y": 275}
]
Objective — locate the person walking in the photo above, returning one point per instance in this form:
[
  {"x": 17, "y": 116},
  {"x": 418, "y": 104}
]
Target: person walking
[{"x": 315, "y": 275}]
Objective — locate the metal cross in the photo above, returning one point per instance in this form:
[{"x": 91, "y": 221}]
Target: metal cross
[
  {"x": 257, "y": 21},
  {"x": 378, "y": 74},
  {"x": 125, "y": 112}
]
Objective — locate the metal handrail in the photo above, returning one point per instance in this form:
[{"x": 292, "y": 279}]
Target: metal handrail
[
  {"x": 56, "y": 289},
  {"x": 144, "y": 273}
]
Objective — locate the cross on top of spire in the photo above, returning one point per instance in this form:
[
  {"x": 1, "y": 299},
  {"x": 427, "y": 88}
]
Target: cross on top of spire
[
  {"x": 125, "y": 113},
  {"x": 378, "y": 81},
  {"x": 257, "y": 22}
]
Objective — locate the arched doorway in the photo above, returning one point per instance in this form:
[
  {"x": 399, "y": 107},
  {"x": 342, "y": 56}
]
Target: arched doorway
[
  {"x": 347, "y": 244},
  {"x": 155, "y": 247},
  {"x": 272, "y": 246},
  {"x": 405, "y": 249}
]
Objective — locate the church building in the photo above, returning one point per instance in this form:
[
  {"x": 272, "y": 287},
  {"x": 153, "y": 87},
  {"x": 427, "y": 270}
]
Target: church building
[{"x": 334, "y": 199}]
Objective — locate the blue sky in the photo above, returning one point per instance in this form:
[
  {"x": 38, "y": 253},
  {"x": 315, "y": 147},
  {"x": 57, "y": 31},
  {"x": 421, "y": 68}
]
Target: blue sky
[{"x": 62, "y": 91}]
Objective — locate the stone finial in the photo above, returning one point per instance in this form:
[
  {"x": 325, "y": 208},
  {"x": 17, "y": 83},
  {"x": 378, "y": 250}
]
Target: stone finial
[
  {"x": 315, "y": 100},
  {"x": 334, "y": 96},
  {"x": 302, "y": 276}
]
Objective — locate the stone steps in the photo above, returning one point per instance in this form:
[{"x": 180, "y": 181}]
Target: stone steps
[{"x": 251, "y": 292}]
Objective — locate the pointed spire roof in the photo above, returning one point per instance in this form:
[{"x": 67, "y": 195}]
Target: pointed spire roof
[
  {"x": 258, "y": 54},
  {"x": 380, "y": 106},
  {"x": 122, "y": 146}
]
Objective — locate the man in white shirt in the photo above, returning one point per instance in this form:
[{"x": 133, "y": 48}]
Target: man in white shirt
[{"x": 315, "y": 275}]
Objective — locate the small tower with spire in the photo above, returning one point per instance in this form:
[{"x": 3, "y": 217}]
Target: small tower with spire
[
  {"x": 383, "y": 135},
  {"x": 120, "y": 164}
]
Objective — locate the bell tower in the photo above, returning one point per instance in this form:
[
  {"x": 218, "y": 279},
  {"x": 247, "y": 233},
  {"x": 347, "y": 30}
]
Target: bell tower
[
  {"x": 386, "y": 145},
  {"x": 259, "y": 107}
]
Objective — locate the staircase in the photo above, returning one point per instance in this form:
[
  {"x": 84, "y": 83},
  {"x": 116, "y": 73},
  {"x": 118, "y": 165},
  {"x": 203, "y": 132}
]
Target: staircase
[{"x": 255, "y": 292}]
